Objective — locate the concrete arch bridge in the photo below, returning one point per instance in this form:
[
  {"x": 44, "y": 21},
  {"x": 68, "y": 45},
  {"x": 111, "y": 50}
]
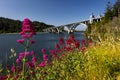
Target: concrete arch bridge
[{"x": 72, "y": 26}]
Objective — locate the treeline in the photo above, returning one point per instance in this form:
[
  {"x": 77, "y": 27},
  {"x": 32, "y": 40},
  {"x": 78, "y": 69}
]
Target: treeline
[
  {"x": 109, "y": 25},
  {"x": 14, "y": 26}
]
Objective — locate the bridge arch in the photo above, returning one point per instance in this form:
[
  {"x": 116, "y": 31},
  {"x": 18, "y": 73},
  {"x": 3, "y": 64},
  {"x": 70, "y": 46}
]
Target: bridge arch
[{"x": 81, "y": 27}]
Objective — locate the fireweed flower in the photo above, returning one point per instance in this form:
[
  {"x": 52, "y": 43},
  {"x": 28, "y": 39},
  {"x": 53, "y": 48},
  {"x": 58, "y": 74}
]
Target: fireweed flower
[
  {"x": 83, "y": 49},
  {"x": 21, "y": 55},
  {"x": 30, "y": 65},
  {"x": 57, "y": 46},
  {"x": 53, "y": 53},
  {"x": 72, "y": 38},
  {"x": 61, "y": 41},
  {"x": 45, "y": 57},
  {"x": 31, "y": 41},
  {"x": 69, "y": 41},
  {"x": 77, "y": 44},
  {"x": 18, "y": 60},
  {"x": 42, "y": 64},
  {"x": 13, "y": 68},
  {"x": 32, "y": 53},
  {"x": 27, "y": 29},
  {"x": 20, "y": 40},
  {"x": 43, "y": 50},
  {"x": 83, "y": 42},
  {"x": 67, "y": 48},
  {"x": 34, "y": 59},
  {"x": 27, "y": 53}
]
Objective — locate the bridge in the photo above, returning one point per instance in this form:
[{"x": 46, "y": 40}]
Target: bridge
[{"x": 71, "y": 27}]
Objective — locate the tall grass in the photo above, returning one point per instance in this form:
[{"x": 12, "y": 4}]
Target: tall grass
[{"x": 99, "y": 62}]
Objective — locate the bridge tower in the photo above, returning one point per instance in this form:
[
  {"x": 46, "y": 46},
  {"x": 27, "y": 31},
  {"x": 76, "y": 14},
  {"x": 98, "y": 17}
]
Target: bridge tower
[
  {"x": 99, "y": 17},
  {"x": 92, "y": 18}
]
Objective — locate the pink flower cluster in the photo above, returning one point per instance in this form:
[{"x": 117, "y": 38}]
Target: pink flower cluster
[
  {"x": 70, "y": 44},
  {"x": 27, "y": 54},
  {"x": 27, "y": 29},
  {"x": 27, "y": 32},
  {"x": 45, "y": 59}
]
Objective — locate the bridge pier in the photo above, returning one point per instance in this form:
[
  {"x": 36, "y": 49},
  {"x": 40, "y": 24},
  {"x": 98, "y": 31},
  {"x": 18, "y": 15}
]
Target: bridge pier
[
  {"x": 71, "y": 28},
  {"x": 60, "y": 29}
]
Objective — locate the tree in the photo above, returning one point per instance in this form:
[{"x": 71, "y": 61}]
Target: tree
[
  {"x": 108, "y": 13},
  {"x": 116, "y": 7}
]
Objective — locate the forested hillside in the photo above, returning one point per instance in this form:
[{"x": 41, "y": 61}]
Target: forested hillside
[{"x": 12, "y": 26}]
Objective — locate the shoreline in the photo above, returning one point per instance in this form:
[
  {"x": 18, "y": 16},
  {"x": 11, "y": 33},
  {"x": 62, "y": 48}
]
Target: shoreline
[{"x": 19, "y": 32}]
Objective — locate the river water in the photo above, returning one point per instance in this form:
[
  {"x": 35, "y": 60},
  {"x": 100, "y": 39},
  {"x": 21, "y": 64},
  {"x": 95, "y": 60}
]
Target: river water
[{"x": 43, "y": 40}]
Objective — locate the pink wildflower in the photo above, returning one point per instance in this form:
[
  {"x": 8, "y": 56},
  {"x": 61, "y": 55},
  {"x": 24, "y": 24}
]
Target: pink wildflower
[
  {"x": 18, "y": 60},
  {"x": 31, "y": 41},
  {"x": 27, "y": 53},
  {"x": 69, "y": 41},
  {"x": 72, "y": 38},
  {"x": 61, "y": 41},
  {"x": 57, "y": 46},
  {"x": 30, "y": 65},
  {"x": 77, "y": 44},
  {"x": 27, "y": 36},
  {"x": 21, "y": 55},
  {"x": 34, "y": 59},
  {"x": 68, "y": 48},
  {"x": 53, "y": 53},
  {"x": 43, "y": 50},
  {"x": 83, "y": 42},
  {"x": 27, "y": 29},
  {"x": 32, "y": 53},
  {"x": 13, "y": 68},
  {"x": 83, "y": 49},
  {"x": 45, "y": 57},
  {"x": 20, "y": 40},
  {"x": 42, "y": 64}
]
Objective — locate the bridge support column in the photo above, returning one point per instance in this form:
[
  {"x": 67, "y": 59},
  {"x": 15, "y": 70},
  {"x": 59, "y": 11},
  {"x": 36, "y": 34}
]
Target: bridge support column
[
  {"x": 71, "y": 28},
  {"x": 60, "y": 29}
]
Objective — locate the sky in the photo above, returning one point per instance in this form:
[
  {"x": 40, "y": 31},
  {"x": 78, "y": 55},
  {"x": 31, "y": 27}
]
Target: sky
[{"x": 54, "y": 12}]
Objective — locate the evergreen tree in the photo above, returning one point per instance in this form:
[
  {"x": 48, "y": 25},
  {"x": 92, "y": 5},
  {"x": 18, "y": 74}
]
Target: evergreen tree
[
  {"x": 108, "y": 13},
  {"x": 116, "y": 7}
]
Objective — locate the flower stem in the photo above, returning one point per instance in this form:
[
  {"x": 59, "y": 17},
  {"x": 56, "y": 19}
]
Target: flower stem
[{"x": 24, "y": 59}]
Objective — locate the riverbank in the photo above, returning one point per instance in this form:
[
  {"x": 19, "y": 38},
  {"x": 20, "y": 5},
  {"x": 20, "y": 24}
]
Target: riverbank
[{"x": 18, "y": 33}]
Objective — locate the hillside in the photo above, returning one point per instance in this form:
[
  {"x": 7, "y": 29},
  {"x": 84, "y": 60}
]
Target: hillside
[{"x": 12, "y": 26}]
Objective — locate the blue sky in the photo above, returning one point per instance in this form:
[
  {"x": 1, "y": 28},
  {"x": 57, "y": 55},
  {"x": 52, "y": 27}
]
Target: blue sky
[{"x": 55, "y": 12}]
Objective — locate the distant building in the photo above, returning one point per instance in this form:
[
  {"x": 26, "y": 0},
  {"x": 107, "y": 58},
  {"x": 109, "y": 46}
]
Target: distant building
[
  {"x": 92, "y": 18},
  {"x": 99, "y": 16}
]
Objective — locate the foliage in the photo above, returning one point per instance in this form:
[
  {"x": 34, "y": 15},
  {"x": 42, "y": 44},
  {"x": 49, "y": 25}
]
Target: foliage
[
  {"x": 116, "y": 8},
  {"x": 108, "y": 13}
]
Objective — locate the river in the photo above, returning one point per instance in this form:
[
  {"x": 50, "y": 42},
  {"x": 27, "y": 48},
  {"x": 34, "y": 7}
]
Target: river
[{"x": 43, "y": 40}]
